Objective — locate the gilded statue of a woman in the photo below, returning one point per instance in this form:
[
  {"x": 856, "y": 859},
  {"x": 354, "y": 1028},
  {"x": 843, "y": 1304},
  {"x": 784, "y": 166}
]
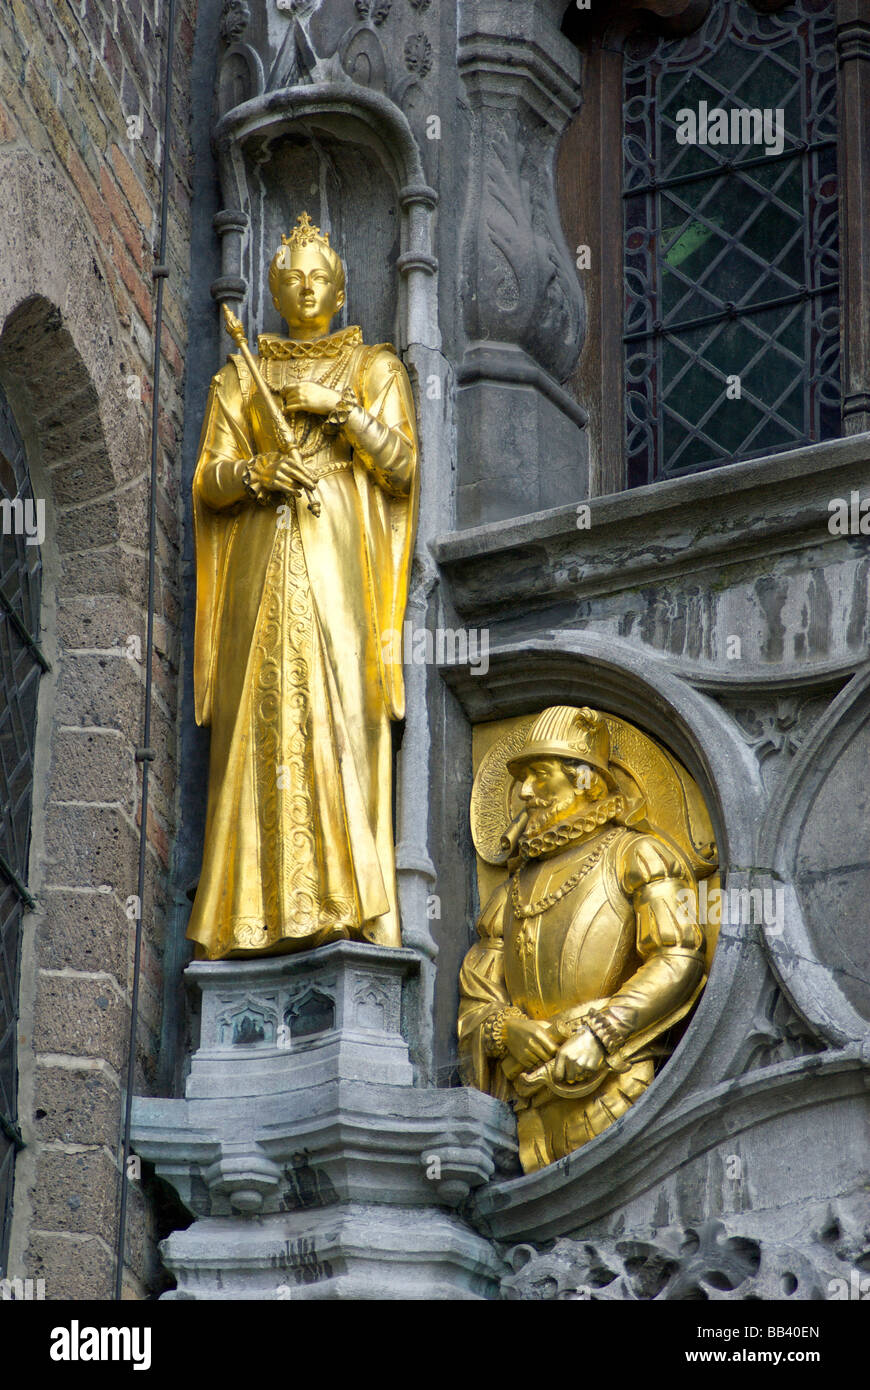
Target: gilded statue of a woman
[{"x": 291, "y": 672}]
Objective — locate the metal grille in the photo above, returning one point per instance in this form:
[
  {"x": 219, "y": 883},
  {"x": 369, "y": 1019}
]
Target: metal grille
[
  {"x": 21, "y": 665},
  {"x": 731, "y": 252}
]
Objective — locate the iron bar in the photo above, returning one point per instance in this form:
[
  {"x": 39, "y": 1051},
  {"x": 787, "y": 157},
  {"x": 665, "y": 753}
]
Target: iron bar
[{"x": 160, "y": 277}]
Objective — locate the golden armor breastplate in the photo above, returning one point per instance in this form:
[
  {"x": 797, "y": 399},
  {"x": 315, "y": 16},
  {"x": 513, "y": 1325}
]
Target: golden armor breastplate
[{"x": 576, "y": 947}]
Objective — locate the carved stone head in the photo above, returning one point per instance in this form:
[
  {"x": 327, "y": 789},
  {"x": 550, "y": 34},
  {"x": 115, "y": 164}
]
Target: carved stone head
[{"x": 235, "y": 19}]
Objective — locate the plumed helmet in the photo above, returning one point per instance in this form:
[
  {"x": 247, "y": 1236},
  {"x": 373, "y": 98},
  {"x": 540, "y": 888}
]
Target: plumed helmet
[{"x": 563, "y": 731}]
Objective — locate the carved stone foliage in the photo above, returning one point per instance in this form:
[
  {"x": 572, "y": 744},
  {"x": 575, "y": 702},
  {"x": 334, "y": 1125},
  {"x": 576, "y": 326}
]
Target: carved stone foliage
[
  {"x": 698, "y": 1263},
  {"x": 418, "y": 55},
  {"x": 778, "y": 1034},
  {"x": 528, "y": 293},
  {"x": 776, "y": 727}
]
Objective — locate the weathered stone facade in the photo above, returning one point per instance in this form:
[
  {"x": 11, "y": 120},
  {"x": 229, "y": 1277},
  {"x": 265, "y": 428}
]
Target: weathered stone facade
[{"x": 78, "y": 226}]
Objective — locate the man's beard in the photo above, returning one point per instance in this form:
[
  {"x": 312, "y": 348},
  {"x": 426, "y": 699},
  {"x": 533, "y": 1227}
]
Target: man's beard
[{"x": 544, "y": 814}]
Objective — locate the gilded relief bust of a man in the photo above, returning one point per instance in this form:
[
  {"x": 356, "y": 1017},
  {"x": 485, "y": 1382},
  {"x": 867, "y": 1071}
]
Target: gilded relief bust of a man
[
  {"x": 587, "y": 949},
  {"x": 291, "y": 671}
]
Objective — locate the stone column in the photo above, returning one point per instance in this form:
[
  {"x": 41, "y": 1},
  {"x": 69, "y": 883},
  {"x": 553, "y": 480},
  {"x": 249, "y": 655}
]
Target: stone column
[
  {"x": 522, "y": 445},
  {"x": 853, "y": 52},
  {"x": 231, "y": 225}
]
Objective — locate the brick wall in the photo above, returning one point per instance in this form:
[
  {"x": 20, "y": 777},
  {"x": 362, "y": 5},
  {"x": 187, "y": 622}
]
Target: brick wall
[{"x": 81, "y": 107}]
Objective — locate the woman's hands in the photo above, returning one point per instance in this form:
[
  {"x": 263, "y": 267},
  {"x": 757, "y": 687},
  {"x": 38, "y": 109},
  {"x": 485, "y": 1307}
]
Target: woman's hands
[
  {"x": 308, "y": 395},
  {"x": 280, "y": 473}
]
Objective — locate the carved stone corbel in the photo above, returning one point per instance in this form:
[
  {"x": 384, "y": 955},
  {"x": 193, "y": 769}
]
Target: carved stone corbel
[{"x": 675, "y": 17}]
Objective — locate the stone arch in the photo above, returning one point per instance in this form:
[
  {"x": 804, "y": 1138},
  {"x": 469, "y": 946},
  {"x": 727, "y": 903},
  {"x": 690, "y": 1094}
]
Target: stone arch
[
  {"x": 568, "y": 667},
  {"x": 363, "y": 58},
  {"x": 240, "y": 76},
  {"x": 60, "y": 349},
  {"x": 697, "y": 1101},
  {"x": 811, "y": 849},
  {"x": 62, "y": 365},
  {"x": 54, "y": 390}
]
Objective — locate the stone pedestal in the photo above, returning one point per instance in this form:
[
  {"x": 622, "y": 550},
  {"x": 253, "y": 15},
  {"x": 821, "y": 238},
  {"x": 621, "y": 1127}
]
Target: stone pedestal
[
  {"x": 296, "y": 1021},
  {"x": 313, "y": 1165}
]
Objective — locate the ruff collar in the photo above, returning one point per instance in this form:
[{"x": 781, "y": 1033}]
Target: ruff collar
[
  {"x": 532, "y": 846},
  {"x": 272, "y": 345}
]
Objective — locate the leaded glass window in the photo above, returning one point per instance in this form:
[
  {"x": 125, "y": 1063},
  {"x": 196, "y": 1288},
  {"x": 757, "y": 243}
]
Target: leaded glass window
[
  {"x": 731, "y": 249},
  {"x": 21, "y": 665}
]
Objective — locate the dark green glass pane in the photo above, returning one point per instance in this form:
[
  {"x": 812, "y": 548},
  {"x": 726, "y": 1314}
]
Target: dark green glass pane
[
  {"x": 769, "y": 231},
  {"x": 695, "y": 392},
  {"x": 772, "y": 81},
  {"x": 729, "y": 345},
  {"x": 691, "y": 452},
  {"x": 772, "y": 376},
  {"x": 681, "y": 448},
  {"x": 750, "y": 228}
]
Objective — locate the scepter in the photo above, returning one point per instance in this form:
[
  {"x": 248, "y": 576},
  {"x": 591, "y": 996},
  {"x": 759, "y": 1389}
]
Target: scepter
[{"x": 236, "y": 330}]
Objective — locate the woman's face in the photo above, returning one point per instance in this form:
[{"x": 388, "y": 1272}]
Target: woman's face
[{"x": 307, "y": 297}]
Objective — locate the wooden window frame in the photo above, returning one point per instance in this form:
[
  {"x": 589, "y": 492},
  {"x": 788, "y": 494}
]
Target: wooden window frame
[{"x": 589, "y": 182}]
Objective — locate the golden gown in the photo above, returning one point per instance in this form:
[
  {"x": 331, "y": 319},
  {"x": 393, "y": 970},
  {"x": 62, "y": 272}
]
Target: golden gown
[{"x": 295, "y": 670}]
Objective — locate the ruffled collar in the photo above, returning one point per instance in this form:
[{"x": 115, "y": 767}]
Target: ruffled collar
[
  {"x": 272, "y": 345},
  {"x": 533, "y": 846}
]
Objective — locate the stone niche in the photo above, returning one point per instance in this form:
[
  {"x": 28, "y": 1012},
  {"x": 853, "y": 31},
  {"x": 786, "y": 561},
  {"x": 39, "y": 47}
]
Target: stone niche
[
  {"x": 312, "y": 116},
  {"x": 346, "y": 190},
  {"x": 707, "y": 1161}
]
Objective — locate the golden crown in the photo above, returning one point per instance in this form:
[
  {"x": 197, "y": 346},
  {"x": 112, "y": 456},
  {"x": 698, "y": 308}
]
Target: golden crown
[{"x": 304, "y": 233}]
